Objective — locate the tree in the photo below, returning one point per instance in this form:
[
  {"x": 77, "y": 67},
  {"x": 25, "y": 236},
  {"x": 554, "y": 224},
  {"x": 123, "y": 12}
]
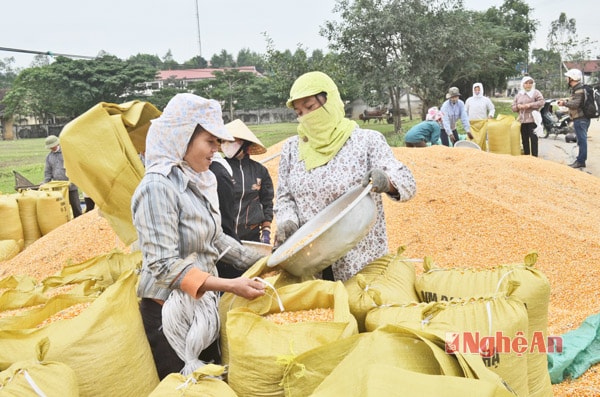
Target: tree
[
  {"x": 168, "y": 63},
  {"x": 397, "y": 47},
  {"x": 8, "y": 73},
  {"x": 228, "y": 86},
  {"x": 151, "y": 61},
  {"x": 196, "y": 62},
  {"x": 246, "y": 57},
  {"x": 222, "y": 60},
  {"x": 70, "y": 87}
]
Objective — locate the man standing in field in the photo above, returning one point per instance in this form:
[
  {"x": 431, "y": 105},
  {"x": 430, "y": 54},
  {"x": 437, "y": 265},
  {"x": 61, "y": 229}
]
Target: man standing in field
[{"x": 54, "y": 170}]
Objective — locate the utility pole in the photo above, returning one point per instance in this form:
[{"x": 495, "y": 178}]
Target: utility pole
[{"x": 198, "y": 26}]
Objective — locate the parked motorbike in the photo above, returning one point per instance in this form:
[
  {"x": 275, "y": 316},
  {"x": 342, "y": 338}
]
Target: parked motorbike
[{"x": 557, "y": 121}]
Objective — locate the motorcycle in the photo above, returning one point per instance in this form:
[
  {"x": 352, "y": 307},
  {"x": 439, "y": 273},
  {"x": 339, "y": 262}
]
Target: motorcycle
[{"x": 557, "y": 121}]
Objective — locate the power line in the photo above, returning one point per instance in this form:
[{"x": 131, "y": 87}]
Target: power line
[{"x": 49, "y": 53}]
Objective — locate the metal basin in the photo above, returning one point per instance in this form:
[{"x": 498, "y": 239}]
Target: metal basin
[
  {"x": 328, "y": 236},
  {"x": 262, "y": 248}
]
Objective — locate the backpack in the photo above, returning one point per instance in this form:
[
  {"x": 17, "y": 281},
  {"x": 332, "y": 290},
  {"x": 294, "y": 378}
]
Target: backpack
[{"x": 591, "y": 103}]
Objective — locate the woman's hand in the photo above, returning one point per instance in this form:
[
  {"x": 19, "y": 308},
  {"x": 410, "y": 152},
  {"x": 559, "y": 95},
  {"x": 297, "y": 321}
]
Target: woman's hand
[{"x": 247, "y": 288}]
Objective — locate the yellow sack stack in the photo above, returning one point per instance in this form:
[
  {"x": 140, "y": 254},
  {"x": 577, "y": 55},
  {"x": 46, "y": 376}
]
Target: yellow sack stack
[
  {"x": 442, "y": 284},
  {"x": 468, "y": 325},
  {"x": 101, "y": 152}
]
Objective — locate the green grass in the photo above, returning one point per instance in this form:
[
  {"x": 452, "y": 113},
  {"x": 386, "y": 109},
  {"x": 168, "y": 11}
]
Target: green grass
[{"x": 27, "y": 156}]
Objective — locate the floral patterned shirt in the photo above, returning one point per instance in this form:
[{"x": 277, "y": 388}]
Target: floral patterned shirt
[{"x": 301, "y": 194}]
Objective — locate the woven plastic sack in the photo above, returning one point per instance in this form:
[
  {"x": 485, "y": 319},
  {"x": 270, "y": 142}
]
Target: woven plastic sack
[
  {"x": 61, "y": 187},
  {"x": 10, "y": 227},
  {"x": 204, "y": 382},
  {"x": 101, "y": 152},
  {"x": 27, "y": 201},
  {"x": 39, "y": 377},
  {"x": 399, "y": 361},
  {"x": 443, "y": 284},
  {"x": 504, "y": 136},
  {"x": 468, "y": 323},
  {"x": 275, "y": 276},
  {"x": 105, "y": 343},
  {"x": 52, "y": 211},
  {"x": 386, "y": 280},
  {"x": 9, "y": 249},
  {"x": 260, "y": 349},
  {"x": 479, "y": 131}
]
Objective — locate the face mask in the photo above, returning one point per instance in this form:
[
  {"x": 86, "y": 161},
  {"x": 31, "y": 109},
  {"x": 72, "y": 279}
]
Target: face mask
[
  {"x": 318, "y": 124},
  {"x": 230, "y": 149}
]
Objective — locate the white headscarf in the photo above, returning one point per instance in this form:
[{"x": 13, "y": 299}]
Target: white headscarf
[
  {"x": 169, "y": 135},
  {"x": 480, "y": 93},
  {"x": 531, "y": 92}
]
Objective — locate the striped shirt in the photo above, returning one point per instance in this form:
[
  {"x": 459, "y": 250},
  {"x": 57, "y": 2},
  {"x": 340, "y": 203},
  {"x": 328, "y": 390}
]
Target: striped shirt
[{"x": 177, "y": 229}]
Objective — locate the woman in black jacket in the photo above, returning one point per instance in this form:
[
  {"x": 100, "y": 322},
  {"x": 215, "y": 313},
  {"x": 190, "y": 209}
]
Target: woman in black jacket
[{"x": 253, "y": 187}]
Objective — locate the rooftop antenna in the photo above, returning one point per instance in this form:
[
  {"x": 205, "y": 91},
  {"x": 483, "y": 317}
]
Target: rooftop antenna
[{"x": 198, "y": 25}]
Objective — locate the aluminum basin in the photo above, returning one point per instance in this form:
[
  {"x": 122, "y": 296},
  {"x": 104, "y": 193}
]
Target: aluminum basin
[{"x": 328, "y": 236}]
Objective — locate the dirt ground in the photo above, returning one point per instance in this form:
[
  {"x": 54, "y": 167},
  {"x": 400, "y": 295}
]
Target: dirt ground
[{"x": 556, "y": 149}]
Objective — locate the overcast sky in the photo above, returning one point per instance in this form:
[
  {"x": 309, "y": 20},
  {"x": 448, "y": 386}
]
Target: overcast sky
[{"x": 129, "y": 27}]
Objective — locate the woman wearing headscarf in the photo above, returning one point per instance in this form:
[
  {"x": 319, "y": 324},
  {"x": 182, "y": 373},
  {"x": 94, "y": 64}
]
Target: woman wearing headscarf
[
  {"x": 478, "y": 106},
  {"x": 176, "y": 215},
  {"x": 526, "y": 101},
  {"x": 426, "y": 132},
  {"x": 331, "y": 155}
]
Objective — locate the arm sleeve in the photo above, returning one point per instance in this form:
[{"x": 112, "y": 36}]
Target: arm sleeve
[
  {"x": 285, "y": 206},
  {"x": 464, "y": 118},
  {"x": 155, "y": 216},
  {"x": 446, "y": 118},
  {"x": 382, "y": 157},
  {"x": 266, "y": 195}
]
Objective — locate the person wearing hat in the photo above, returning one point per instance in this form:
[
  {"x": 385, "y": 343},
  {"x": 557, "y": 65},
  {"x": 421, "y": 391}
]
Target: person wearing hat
[
  {"x": 581, "y": 124},
  {"x": 330, "y": 156},
  {"x": 176, "y": 214},
  {"x": 252, "y": 188},
  {"x": 54, "y": 170},
  {"x": 525, "y": 102},
  {"x": 453, "y": 110},
  {"x": 425, "y": 132}
]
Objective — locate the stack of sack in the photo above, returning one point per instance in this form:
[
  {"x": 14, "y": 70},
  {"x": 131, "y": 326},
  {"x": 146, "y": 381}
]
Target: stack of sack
[
  {"x": 31, "y": 214},
  {"x": 77, "y": 333}
]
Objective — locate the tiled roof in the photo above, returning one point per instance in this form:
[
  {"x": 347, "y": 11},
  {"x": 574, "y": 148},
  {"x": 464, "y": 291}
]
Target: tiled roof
[
  {"x": 588, "y": 67},
  {"x": 199, "y": 74}
]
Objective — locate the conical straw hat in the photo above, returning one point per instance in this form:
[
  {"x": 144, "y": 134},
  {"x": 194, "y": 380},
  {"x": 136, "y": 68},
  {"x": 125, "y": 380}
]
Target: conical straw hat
[{"x": 239, "y": 130}]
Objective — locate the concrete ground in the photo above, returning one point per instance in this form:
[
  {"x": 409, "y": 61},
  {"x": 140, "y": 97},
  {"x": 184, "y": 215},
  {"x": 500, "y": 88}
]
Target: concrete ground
[{"x": 556, "y": 149}]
